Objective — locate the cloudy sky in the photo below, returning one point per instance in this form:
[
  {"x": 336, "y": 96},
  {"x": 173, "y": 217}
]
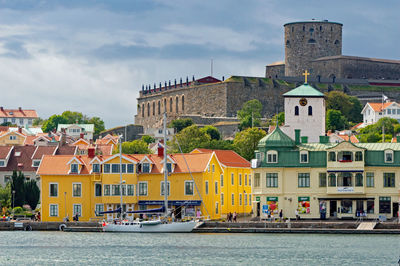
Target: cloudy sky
[{"x": 93, "y": 56}]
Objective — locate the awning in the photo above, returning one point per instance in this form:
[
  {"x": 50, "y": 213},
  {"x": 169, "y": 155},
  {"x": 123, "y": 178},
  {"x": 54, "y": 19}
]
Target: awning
[
  {"x": 113, "y": 211},
  {"x": 345, "y": 171},
  {"x": 346, "y": 198},
  {"x": 157, "y": 210},
  {"x": 171, "y": 202}
]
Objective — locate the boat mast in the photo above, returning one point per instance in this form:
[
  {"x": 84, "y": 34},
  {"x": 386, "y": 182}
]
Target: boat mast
[
  {"x": 120, "y": 173},
  {"x": 165, "y": 164}
]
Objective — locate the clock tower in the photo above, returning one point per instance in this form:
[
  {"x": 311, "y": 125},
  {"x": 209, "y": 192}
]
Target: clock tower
[{"x": 305, "y": 110}]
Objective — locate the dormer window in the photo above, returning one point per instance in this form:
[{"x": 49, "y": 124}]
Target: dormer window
[
  {"x": 358, "y": 156},
  {"x": 35, "y": 163},
  {"x": 96, "y": 168},
  {"x": 169, "y": 167},
  {"x": 74, "y": 168},
  {"x": 17, "y": 154},
  {"x": 13, "y": 137},
  {"x": 304, "y": 157},
  {"x": 2, "y": 163},
  {"x": 389, "y": 156},
  {"x": 145, "y": 167},
  {"x": 272, "y": 157}
]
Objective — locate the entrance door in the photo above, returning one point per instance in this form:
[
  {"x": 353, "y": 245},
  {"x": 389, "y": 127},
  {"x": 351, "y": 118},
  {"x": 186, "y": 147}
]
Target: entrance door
[
  {"x": 258, "y": 209},
  {"x": 359, "y": 207},
  {"x": 395, "y": 209},
  {"x": 333, "y": 208}
]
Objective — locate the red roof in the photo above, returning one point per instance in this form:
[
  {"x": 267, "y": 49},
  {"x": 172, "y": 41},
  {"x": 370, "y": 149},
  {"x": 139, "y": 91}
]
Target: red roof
[
  {"x": 20, "y": 113},
  {"x": 228, "y": 157},
  {"x": 4, "y": 151},
  {"x": 42, "y": 150},
  {"x": 377, "y": 107}
]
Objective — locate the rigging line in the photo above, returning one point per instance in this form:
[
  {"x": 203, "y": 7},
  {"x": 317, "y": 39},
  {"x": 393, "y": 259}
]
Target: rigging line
[{"x": 197, "y": 189}]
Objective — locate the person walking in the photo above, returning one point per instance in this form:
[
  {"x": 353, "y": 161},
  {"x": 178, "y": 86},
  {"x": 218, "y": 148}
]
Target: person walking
[
  {"x": 234, "y": 217},
  {"x": 297, "y": 214},
  {"x": 281, "y": 216}
]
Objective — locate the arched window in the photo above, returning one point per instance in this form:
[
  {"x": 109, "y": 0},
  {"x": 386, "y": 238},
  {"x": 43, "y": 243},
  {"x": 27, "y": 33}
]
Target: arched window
[
  {"x": 159, "y": 107},
  {"x": 165, "y": 105},
  {"x": 288, "y": 43},
  {"x": 309, "y": 110},
  {"x": 176, "y": 103},
  {"x": 304, "y": 28},
  {"x": 296, "y": 110},
  {"x": 183, "y": 102},
  {"x": 154, "y": 108},
  {"x": 320, "y": 28},
  {"x": 142, "y": 110},
  {"x": 332, "y": 180},
  {"x": 312, "y": 41},
  {"x": 170, "y": 105},
  {"x": 337, "y": 42},
  {"x": 148, "y": 109},
  {"x": 311, "y": 30}
]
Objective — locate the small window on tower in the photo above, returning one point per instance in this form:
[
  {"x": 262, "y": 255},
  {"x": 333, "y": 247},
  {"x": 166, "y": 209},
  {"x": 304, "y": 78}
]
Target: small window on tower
[
  {"x": 309, "y": 110},
  {"x": 296, "y": 110},
  {"x": 311, "y": 41}
]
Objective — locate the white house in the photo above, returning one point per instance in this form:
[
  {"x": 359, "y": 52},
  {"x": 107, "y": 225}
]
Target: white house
[
  {"x": 372, "y": 112},
  {"x": 75, "y": 130},
  {"x": 18, "y": 116}
]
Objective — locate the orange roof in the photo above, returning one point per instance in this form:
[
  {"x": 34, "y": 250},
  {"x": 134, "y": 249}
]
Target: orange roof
[
  {"x": 58, "y": 164},
  {"x": 228, "y": 157},
  {"x": 345, "y": 137},
  {"x": 377, "y": 107},
  {"x": 18, "y": 113},
  {"x": 105, "y": 149}
]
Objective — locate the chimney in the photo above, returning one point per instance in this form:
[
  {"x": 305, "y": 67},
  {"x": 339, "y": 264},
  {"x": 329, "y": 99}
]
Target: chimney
[
  {"x": 20, "y": 129},
  {"x": 187, "y": 81},
  {"x": 181, "y": 82},
  {"x": 193, "y": 78},
  {"x": 169, "y": 84},
  {"x": 297, "y": 136},
  {"x": 223, "y": 78},
  {"x": 1, "y": 108},
  {"x": 91, "y": 152},
  {"x": 20, "y": 109},
  {"x": 175, "y": 87},
  {"x": 160, "y": 150},
  {"x": 82, "y": 135}
]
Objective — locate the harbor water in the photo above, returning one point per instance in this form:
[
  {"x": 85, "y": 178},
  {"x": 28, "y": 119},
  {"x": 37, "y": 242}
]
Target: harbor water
[{"x": 60, "y": 248}]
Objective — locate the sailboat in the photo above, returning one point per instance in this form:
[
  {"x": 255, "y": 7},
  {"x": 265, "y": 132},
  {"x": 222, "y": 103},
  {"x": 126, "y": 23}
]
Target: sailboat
[{"x": 153, "y": 226}]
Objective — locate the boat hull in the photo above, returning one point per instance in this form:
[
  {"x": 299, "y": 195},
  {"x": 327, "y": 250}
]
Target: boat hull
[{"x": 175, "y": 227}]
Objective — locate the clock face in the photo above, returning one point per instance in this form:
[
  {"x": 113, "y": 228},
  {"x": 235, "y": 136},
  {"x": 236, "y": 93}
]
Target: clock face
[{"x": 303, "y": 102}]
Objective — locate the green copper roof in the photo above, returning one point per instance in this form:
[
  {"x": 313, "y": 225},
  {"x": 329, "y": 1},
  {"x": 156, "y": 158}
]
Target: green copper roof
[
  {"x": 277, "y": 139},
  {"x": 304, "y": 90}
]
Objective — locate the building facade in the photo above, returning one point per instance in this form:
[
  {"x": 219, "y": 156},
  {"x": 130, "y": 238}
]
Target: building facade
[
  {"x": 77, "y": 131},
  {"x": 372, "y": 112},
  {"x": 19, "y": 117}
]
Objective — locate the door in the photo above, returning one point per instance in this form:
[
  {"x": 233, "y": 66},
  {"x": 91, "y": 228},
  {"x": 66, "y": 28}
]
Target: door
[
  {"x": 360, "y": 208},
  {"x": 333, "y": 208},
  {"x": 395, "y": 209},
  {"x": 258, "y": 209}
]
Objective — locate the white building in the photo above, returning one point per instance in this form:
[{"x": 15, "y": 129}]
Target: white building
[
  {"x": 18, "y": 116},
  {"x": 305, "y": 111},
  {"x": 75, "y": 130},
  {"x": 372, "y": 112}
]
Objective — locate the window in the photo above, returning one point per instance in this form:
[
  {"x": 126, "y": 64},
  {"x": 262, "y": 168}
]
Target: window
[
  {"x": 245, "y": 199},
  {"x": 96, "y": 168},
  {"x": 145, "y": 167},
  {"x": 106, "y": 190},
  {"x": 240, "y": 179},
  {"x": 370, "y": 206},
  {"x": 359, "y": 180},
  {"x": 370, "y": 179},
  {"x": 21, "y": 121},
  {"x": 148, "y": 109},
  {"x": 249, "y": 199},
  {"x": 304, "y": 157},
  {"x": 131, "y": 190},
  {"x": 3, "y": 163},
  {"x": 130, "y": 168},
  {"x": 249, "y": 180},
  {"x": 322, "y": 179},
  {"x": 345, "y": 156},
  {"x": 74, "y": 168},
  {"x": 216, "y": 208},
  {"x": 359, "y": 156},
  {"x": 272, "y": 157},
  {"x": 54, "y": 210},
  {"x": 222, "y": 199},
  {"x": 77, "y": 209},
  {"x": 13, "y": 137},
  {"x": 206, "y": 187},
  {"x": 183, "y": 107},
  {"x": 232, "y": 179},
  {"x": 97, "y": 190},
  {"x": 159, "y": 107},
  {"x": 347, "y": 206},
  {"x": 170, "y": 104},
  {"x": 216, "y": 187},
  {"x": 116, "y": 190},
  {"x": 142, "y": 188},
  {"x": 388, "y": 180},
  {"x": 384, "y": 205},
  {"x": 272, "y": 179},
  {"x": 257, "y": 180},
  {"x": 176, "y": 104},
  {"x": 388, "y": 156},
  {"x": 344, "y": 179},
  {"x": 189, "y": 188},
  {"x": 169, "y": 167},
  {"x": 123, "y": 168},
  {"x": 222, "y": 182},
  {"x": 76, "y": 190},
  {"x": 213, "y": 168},
  {"x": 99, "y": 208},
  {"x": 106, "y": 168},
  {"x": 53, "y": 189},
  {"x": 304, "y": 180},
  {"x": 115, "y": 168},
  {"x": 233, "y": 199},
  {"x": 123, "y": 187},
  {"x": 240, "y": 199},
  {"x": 310, "y": 110},
  {"x": 154, "y": 108},
  {"x": 332, "y": 156},
  {"x": 163, "y": 188},
  {"x": 296, "y": 110}
]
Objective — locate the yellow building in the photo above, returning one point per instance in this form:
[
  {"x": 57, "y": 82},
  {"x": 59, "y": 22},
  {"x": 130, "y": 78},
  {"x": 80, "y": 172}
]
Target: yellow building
[
  {"x": 12, "y": 138},
  {"x": 90, "y": 184}
]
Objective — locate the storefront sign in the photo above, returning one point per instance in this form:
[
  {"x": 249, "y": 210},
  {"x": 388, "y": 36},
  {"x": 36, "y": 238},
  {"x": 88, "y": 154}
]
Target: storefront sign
[
  {"x": 272, "y": 203},
  {"x": 257, "y": 198},
  {"x": 171, "y": 202},
  {"x": 272, "y": 198},
  {"x": 265, "y": 208},
  {"x": 345, "y": 189},
  {"x": 303, "y": 205}
]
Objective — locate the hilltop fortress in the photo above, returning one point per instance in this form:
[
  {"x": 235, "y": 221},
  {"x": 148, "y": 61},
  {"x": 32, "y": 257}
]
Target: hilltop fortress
[{"x": 313, "y": 45}]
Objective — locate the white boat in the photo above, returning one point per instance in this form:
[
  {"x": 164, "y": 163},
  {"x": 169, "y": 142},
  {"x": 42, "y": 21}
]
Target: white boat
[{"x": 151, "y": 226}]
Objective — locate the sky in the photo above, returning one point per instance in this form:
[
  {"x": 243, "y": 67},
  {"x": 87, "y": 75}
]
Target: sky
[{"x": 93, "y": 56}]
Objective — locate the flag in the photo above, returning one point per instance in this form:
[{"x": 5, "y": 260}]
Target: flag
[{"x": 384, "y": 97}]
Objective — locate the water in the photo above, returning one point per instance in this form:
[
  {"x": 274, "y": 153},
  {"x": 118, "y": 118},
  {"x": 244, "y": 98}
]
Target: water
[{"x": 61, "y": 248}]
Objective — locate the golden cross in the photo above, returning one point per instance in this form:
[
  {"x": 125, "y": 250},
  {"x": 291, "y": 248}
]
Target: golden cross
[{"x": 305, "y": 74}]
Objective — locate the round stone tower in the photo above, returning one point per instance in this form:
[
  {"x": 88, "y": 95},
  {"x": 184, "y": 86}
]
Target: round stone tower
[{"x": 309, "y": 40}]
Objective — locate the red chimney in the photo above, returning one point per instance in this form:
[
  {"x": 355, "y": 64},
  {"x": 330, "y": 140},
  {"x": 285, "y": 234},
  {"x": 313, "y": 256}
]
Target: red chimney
[
  {"x": 91, "y": 152},
  {"x": 160, "y": 150},
  {"x": 20, "y": 130},
  {"x": 20, "y": 109},
  {"x": 1, "y": 108},
  {"x": 82, "y": 135}
]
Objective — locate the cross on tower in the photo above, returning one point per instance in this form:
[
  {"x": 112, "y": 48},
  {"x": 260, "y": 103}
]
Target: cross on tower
[{"x": 306, "y": 74}]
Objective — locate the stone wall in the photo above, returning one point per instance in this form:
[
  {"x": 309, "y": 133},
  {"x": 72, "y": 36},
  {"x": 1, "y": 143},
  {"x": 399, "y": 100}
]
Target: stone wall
[
  {"x": 131, "y": 132},
  {"x": 274, "y": 71}
]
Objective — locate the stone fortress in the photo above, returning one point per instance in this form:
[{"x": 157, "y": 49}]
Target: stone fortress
[{"x": 313, "y": 45}]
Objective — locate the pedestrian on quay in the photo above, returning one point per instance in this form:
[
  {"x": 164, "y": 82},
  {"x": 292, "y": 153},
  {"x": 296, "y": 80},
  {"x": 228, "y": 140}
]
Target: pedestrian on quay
[
  {"x": 234, "y": 217},
  {"x": 297, "y": 214},
  {"x": 281, "y": 216}
]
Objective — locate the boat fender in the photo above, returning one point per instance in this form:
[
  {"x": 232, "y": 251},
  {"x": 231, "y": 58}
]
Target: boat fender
[
  {"x": 62, "y": 227},
  {"x": 28, "y": 228}
]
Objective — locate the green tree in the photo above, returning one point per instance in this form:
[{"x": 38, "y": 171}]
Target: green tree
[
  {"x": 349, "y": 106},
  {"x": 6, "y": 124},
  {"x": 98, "y": 124},
  {"x": 217, "y": 145},
  {"x": 148, "y": 139},
  {"x": 37, "y": 122},
  {"x": 335, "y": 120},
  {"x": 32, "y": 193},
  {"x": 134, "y": 147},
  {"x": 355, "y": 112},
  {"x": 17, "y": 185},
  {"x": 281, "y": 118},
  {"x": 213, "y": 132},
  {"x": 180, "y": 124},
  {"x": 246, "y": 142},
  {"x": 250, "y": 114},
  {"x": 5, "y": 196},
  {"x": 189, "y": 139},
  {"x": 53, "y": 122},
  {"x": 371, "y": 137},
  {"x": 73, "y": 117}
]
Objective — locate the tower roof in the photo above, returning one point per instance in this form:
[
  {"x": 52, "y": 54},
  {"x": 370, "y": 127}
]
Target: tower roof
[
  {"x": 277, "y": 139},
  {"x": 304, "y": 90}
]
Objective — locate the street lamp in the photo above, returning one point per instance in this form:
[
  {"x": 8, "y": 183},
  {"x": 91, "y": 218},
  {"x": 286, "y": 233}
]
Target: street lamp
[{"x": 13, "y": 192}]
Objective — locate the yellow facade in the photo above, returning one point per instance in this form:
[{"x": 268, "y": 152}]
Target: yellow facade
[{"x": 12, "y": 139}]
